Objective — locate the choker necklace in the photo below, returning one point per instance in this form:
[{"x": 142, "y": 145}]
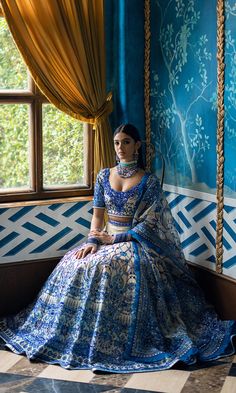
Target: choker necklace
[{"x": 127, "y": 169}]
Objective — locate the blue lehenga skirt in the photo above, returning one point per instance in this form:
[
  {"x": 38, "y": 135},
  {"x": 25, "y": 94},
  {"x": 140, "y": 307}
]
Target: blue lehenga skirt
[{"x": 123, "y": 309}]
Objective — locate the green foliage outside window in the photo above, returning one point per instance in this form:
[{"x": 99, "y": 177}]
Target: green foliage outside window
[
  {"x": 14, "y": 146},
  {"x": 63, "y": 148},
  {"x": 13, "y": 72},
  {"x": 63, "y": 155}
]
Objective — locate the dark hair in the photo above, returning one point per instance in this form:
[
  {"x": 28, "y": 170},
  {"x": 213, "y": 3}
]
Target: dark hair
[{"x": 132, "y": 131}]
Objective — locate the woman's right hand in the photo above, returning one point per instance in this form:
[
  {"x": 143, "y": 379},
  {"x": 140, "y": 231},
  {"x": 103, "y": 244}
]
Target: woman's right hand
[{"x": 88, "y": 248}]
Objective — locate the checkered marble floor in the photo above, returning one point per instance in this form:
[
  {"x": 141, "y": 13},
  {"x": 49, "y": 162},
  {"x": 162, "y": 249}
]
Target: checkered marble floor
[{"x": 19, "y": 375}]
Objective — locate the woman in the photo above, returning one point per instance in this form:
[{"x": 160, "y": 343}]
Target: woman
[{"x": 124, "y": 301}]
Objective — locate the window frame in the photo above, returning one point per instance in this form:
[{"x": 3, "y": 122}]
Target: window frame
[{"x": 35, "y": 99}]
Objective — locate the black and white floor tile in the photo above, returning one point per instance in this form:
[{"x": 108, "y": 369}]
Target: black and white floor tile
[{"x": 19, "y": 375}]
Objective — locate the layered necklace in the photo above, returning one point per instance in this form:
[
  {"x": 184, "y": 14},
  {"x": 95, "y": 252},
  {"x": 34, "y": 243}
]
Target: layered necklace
[{"x": 127, "y": 169}]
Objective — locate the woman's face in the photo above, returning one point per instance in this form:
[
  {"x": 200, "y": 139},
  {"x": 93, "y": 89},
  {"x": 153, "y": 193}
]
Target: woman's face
[{"x": 125, "y": 146}]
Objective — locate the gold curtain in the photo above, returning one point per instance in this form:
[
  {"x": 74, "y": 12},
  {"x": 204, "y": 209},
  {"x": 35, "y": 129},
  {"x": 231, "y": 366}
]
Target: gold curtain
[{"x": 63, "y": 45}]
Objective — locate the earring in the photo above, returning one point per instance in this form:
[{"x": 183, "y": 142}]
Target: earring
[
  {"x": 117, "y": 159},
  {"x": 136, "y": 155}
]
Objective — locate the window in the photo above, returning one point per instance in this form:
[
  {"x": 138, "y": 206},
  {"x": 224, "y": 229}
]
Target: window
[{"x": 44, "y": 153}]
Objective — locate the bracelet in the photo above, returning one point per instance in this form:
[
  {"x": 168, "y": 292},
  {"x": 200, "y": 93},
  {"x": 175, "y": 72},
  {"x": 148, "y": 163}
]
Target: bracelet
[
  {"x": 121, "y": 237},
  {"x": 93, "y": 240}
]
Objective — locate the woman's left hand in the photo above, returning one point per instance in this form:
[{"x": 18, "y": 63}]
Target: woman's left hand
[{"x": 102, "y": 236}]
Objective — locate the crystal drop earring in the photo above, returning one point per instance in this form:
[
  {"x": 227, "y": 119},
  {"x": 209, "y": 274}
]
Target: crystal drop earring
[{"x": 136, "y": 156}]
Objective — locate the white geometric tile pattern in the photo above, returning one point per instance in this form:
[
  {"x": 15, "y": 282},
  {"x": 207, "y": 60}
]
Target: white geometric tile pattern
[
  {"x": 37, "y": 232},
  {"x": 230, "y": 237},
  {"x": 196, "y": 223}
]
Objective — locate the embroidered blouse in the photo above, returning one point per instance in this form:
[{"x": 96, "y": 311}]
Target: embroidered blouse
[{"x": 117, "y": 203}]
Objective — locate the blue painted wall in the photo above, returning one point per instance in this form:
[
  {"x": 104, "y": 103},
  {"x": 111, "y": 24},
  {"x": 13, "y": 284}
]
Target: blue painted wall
[
  {"x": 125, "y": 58},
  {"x": 183, "y": 109},
  {"x": 230, "y": 100},
  {"x": 183, "y": 91}
]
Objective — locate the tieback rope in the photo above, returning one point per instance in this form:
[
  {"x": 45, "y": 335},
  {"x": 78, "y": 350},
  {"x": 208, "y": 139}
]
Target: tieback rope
[{"x": 220, "y": 134}]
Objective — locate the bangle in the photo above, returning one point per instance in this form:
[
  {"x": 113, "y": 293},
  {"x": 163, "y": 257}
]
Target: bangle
[
  {"x": 121, "y": 237},
  {"x": 93, "y": 240}
]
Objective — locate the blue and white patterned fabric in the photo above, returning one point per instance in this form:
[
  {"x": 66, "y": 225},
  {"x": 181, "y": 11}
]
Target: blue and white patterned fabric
[
  {"x": 132, "y": 306},
  {"x": 117, "y": 203}
]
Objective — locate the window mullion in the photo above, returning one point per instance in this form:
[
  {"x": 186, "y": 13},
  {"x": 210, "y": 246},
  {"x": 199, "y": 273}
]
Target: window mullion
[{"x": 38, "y": 151}]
